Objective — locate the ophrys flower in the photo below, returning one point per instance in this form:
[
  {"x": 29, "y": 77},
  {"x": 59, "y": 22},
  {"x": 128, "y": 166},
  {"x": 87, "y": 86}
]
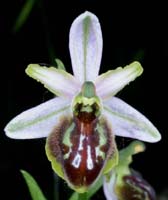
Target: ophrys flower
[
  {"x": 124, "y": 183},
  {"x": 83, "y": 119}
]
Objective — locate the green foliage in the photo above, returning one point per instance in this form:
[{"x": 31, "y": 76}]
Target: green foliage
[
  {"x": 24, "y": 14},
  {"x": 34, "y": 189},
  {"x": 60, "y": 64}
]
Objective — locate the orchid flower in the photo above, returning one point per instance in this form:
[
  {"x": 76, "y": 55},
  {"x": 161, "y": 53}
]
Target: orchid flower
[
  {"x": 81, "y": 122},
  {"x": 123, "y": 183}
]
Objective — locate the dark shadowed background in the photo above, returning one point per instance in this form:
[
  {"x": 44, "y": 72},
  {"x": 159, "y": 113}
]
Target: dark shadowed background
[{"x": 137, "y": 33}]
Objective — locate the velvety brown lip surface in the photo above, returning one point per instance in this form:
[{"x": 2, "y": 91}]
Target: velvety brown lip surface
[
  {"x": 83, "y": 160},
  {"x": 84, "y": 163}
]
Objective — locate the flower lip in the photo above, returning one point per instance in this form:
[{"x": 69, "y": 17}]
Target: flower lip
[
  {"x": 136, "y": 185},
  {"x": 85, "y": 144}
]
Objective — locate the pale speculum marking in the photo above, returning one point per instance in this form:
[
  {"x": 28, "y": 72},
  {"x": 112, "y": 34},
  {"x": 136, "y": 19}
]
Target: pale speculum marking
[
  {"x": 86, "y": 153},
  {"x": 77, "y": 160},
  {"x": 89, "y": 161},
  {"x": 82, "y": 137}
]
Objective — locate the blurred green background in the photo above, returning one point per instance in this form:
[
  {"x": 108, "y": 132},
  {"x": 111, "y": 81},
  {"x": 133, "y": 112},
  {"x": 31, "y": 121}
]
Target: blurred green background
[{"x": 136, "y": 33}]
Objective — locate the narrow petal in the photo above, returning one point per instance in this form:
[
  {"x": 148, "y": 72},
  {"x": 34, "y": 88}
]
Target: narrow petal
[
  {"x": 109, "y": 186},
  {"x": 57, "y": 81},
  {"x": 86, "y": 47},
  {"x": 128, "y": 122},
  {"x": 111, "y": 82},
  {"x": 39, "y": 121}
]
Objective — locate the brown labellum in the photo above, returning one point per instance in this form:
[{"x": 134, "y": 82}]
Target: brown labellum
[{"x": 82, "y": 144}]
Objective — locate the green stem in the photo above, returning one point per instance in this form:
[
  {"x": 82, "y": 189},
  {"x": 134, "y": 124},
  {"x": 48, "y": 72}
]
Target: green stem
[
  {"x": 56, "y": 186},
  {"x": 83, "y": 196}
]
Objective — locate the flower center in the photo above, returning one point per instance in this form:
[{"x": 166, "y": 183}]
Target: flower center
[
  {"x": 87, "y": 105},
  {"x": 82, "y": 143}
]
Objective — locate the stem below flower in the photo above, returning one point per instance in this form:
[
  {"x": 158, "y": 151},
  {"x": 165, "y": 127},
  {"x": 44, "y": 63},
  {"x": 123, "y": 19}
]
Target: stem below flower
[{"x": 83, "y": 196}]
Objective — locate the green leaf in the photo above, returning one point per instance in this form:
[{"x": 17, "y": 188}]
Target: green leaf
[
  {"x": 74, "y": 196},
  {"x": 79, "y": 196},
  {"x": 24, "y": 14},
  {"x": 60, "y": 64},
  {"x": 34, "y": 189},
  {"x": 83, "y": 196}
]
